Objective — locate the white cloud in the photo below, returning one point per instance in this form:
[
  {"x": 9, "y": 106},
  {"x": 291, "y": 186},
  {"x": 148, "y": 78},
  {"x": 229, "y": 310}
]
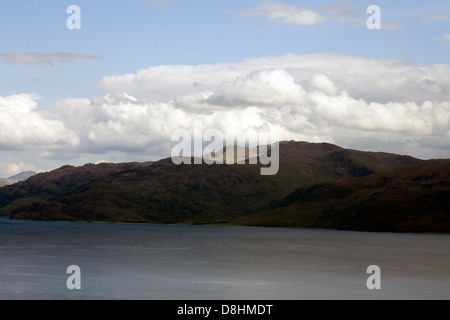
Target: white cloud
[
  {"x": 23, "y": 126},
  {"x": 285, "y": 13},
  {"x": 321, "y": 97},
  {"x": 381, "y": 80},
  {"x": 261, "y": 87},
  {"x": 307, "y": 96},
  {"x": 324, "y": 84},
  {"x": 346, "y": 112},
  {"x": 46, "y": 58}
]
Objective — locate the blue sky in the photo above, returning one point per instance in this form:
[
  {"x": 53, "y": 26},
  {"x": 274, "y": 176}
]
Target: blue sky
[
  {"x": 130, "y": 35},
  {"x": 125, "y": 36}
]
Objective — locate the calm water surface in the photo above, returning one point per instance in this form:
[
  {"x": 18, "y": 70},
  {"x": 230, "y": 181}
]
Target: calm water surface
[{"x": 120, "y": 261}]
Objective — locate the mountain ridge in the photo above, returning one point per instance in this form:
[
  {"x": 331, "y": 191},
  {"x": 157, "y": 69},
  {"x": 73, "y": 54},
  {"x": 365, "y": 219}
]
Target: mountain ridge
[
  {"x": 317, "y": 186},
  {"x": 22, "y": 176}
]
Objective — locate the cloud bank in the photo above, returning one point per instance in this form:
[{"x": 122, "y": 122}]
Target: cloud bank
[
  {"x": 371, "y": 104},
  {"x": 24, "y": 127}
]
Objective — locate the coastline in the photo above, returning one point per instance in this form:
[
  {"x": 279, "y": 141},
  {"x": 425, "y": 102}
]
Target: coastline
[{"x": 223, "y": 225}]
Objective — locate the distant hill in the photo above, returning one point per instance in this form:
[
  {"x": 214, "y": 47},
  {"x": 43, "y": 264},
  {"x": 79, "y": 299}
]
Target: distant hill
[
  {"x": 16, "y": 178},
  {"x": 318, "y": 186},
  {"x": 21, "y": 176}
]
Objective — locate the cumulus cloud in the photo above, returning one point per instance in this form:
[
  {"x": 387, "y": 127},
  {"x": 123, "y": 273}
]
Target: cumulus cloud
[
  {"x": 262, "y": 87},
  {"x": 46, "y": 58},
  {"x": 324, "y": 84},
  {"x": 22, "y": 125},
  {"x": 123, "y": 124},
  {"x": 381, "y": 80},
  {"x": 306, "y": 96},
  {"x": 285, "y": 13},
  {"x": 361, "y": 102}
]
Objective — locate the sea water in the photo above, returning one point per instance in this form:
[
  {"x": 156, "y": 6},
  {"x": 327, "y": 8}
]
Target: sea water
[{"x": 155, "y": 262}]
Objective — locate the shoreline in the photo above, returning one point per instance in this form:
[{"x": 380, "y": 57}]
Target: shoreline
[{"x": 226, "y": 226}]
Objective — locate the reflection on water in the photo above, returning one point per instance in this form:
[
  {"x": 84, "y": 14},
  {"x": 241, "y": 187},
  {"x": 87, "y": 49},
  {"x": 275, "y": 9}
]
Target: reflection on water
[{"x": 122, "y": 261}]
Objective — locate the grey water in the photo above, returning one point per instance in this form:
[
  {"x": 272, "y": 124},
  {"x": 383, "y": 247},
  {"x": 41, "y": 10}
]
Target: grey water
[{"x": 153, "y": 262}]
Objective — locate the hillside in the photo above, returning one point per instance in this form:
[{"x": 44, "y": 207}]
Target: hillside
[
  {"x": 318, "y": 186},
  {"x": 54, "y": 184},
  {"x": 407, "y": 199}
]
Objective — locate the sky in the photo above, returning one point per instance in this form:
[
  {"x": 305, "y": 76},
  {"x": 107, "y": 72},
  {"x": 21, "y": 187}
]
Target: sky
[{"x": 135, "y": 71}]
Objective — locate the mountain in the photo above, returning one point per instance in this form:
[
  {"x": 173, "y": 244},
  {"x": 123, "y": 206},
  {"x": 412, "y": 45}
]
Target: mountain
[
  {"x": 317, "y": 186},
  {"x": 16, "y": 178},
  {"x": 52, "y": 185},
  {"x": 21, "y": 176}
]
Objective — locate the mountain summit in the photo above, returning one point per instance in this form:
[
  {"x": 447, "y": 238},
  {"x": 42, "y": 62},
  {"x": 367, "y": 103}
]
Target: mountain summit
[
  {"x": 16, "y": 178},
  {"x": 317, "y": 186},
  {"x": 21, "y": 176}
]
